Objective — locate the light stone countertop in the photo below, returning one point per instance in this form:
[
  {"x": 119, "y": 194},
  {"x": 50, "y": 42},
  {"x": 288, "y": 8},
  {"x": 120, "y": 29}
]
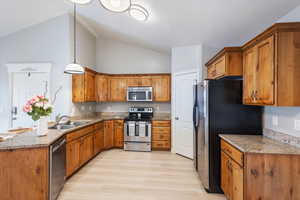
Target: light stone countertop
[
  {"x": 31, "y": 140},
  {"x": 260, "y": 144}
]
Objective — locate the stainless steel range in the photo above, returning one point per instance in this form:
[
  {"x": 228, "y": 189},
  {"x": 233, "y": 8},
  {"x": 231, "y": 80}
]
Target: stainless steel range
[{"x": 137, "y": 130}]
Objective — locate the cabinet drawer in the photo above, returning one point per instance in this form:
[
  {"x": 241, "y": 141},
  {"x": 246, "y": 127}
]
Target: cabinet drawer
[
  {"x": 160, "y": 136},
  {"x": 99, "y": 126},
  {"x": 119, "y": 123},
  {"x": 231, "y": 151},
  {"x": 161, "y": 145},
  {"x": 161, "y": 130},
  {"x": 77, "y": 134},
  {"x": 166, "y": 123}
]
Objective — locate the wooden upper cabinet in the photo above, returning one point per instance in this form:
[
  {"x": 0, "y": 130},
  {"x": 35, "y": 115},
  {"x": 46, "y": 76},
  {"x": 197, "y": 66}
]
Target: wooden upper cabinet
[
  {"x": 227, "y": 62},
  {"x": 102, "y": 88},
  {"x": 140, "y": 81},
  {"x": 161, "y": 88},
  {"x": 146, "y": 81},
  {"x": 83, "y": 87},
  {"x": 272, "y": 67},
  {"x": 118, "y": 89}
]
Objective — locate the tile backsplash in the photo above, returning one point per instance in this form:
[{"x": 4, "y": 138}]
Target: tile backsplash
[{"x": 282, "y": 137}]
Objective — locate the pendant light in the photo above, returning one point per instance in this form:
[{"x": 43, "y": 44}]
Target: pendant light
[
  {"x": 82, "y": 2},
  {"x": 117, "y": 6},
  {"x": 74, "y": 68},
  {"x": 138, "y": 12}
]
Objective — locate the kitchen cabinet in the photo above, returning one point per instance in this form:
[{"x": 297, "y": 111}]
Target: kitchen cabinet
[
  {"x": 161, "y": 135},
  {"x": 86, "y": 148},
  {"x": 139, "y": 81},
  {"x": 102, "y": 88},
  {"x": 99, "y": 138},
  {"x": 118, "y": 89},
  {"x": 73, "y": 156},
  {"x": 161, "y": 88},
  {"x": 83, "y": 87},
  {"x": 24, "y": 174},
  {"x": 108, "y": 134},
  {"x": 227, "y": 63},
  {"x": 272, "y": 68},
  {"x": 119, "y": 133},
  {"x": 79, "y": 148},
  {"x": 249, "y": 176}
]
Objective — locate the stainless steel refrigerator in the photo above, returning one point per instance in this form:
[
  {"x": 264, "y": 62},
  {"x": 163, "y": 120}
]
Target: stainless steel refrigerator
[{"x": 218, "y": 109}]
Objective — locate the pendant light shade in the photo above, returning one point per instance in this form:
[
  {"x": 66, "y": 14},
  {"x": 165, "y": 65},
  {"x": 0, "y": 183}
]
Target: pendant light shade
[
  {"x": 82, "y": 2},
  {"x": 74, "y": 68},
  {"x": 116, "y": 5},
  {"x": 138, "y": 12}
]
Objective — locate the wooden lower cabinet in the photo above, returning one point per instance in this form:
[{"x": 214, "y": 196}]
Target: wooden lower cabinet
[
  {"x": 86, "y": 148},
  {"x": 73, "y": 156},
  {"x": 24, "y": 174},
  {"x": 259, "y": 176},
  {"x": 108, "y": 134},
  {"x": 119, "y": 133},
  {"x": 99, "y": 138},
  {"x": 161, "y": 135}
]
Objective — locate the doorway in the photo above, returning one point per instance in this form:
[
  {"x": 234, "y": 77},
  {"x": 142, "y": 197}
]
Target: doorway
[
  {"x": 26, "y": 81},
  {"x": 183, "y": 112}
]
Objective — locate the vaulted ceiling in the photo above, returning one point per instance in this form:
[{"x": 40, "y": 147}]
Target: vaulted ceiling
[{"x": 172, "y": 22}]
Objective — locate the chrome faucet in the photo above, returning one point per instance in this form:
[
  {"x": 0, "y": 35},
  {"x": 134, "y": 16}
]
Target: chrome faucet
[{"x": 64, "y": 118}]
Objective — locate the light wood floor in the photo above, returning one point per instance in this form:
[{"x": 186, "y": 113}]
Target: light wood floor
[{"x": 120, "y": 175}]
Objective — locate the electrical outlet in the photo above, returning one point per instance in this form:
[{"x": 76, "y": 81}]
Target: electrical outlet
[
  {"x": 297, "y": 125},
  {"x": 275, "y": 120}
]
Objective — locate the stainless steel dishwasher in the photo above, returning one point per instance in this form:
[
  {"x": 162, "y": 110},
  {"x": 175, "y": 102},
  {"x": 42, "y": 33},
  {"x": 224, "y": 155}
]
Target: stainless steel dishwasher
[{"x": 57, "y": 167}]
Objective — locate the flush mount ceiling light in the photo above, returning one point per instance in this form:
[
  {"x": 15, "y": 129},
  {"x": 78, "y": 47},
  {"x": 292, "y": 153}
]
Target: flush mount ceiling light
[
  {"x": 74, "y": 68},
  {"x": 117, "y": 6},
  {"x": 82, "y": 2},
  {"x": 138, "y": 12}
]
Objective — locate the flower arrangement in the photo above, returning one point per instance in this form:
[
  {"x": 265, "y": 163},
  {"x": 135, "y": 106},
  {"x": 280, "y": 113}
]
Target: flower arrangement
[{"x": 38, "y": 107}]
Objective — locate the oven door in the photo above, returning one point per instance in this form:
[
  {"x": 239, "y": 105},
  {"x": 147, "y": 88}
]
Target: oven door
[
  {"x": 137, "y": 132},
  {"x": 139, "y": 94}
]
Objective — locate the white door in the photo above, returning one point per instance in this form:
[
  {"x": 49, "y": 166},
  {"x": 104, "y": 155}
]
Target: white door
[
  {"x": 25, "y": 85},
  {"x": 183, "y": 123}
]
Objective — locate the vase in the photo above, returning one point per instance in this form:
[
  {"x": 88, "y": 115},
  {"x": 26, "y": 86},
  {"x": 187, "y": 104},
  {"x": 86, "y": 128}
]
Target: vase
[{"x": 42, "y": 126}]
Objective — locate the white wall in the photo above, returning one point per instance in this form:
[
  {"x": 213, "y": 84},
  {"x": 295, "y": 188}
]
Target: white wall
[
  {"x": 117, "y": 57},
  {"x": 46, "y": 42},
  {"x": 286, "y": 116}
]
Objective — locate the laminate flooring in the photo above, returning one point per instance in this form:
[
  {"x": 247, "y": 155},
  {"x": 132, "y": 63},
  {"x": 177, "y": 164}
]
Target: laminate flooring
[{"x": 121, "y": 175}]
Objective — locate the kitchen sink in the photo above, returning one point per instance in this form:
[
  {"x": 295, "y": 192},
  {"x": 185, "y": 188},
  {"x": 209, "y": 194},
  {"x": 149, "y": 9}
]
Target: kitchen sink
[{"x": 72, "y": 124}]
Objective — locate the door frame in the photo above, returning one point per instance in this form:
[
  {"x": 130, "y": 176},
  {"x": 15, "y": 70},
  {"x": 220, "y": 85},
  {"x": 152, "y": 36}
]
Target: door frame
[
  {"x": 23, "y": 68},
  {"x": 173, "y": 102}
]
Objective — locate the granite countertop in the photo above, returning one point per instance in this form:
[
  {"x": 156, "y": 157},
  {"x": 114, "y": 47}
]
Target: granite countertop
[
  {"x": 31, "y": 140},
  {"x": 259, "y": 144}
]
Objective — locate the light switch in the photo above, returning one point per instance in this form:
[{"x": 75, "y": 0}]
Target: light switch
[
  {"x": 275, "y": 120},
  {"x": 297, "y": 125}
]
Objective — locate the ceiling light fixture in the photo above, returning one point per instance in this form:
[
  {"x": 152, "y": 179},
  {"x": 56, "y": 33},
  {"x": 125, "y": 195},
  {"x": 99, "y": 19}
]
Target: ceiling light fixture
[
  {"x": 117, "y": 6},
  {"x": 138, "y": 12},
  {"x": 82, "y": 2},
  {"x": 74, "y": 68}
]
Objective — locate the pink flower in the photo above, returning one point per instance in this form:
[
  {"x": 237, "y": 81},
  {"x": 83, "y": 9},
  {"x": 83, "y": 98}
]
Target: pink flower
[
  {"x": 27, "y": 108},
  {"x": 40, "y": 97},
  {"x": 33, "y": 100}
]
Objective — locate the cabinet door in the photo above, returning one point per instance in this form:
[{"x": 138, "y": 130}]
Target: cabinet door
[
  {"x": 118, "y": 89},
  {"x": 72, "y": 156},
  {"x": 90, "y": 86},
  {"x": 211, "y": 72},
  {"x": 101, "y": 88},
  {"x": 161, "y": 88},
  {"x": 237, "y": 181},
  {"x": 86, "y": 148},
  {"x": 98, "y": 141},
  {"x": 264, "y": 93},
  {"x": 78, "y": 88},
  {"x": 108, "y": 134},
  {"x": 220, "y": 67},
  {"x": 225, "y": 175},
  {"x": 119, "y": 133},
  {"x": 133, "y": 82},
  {"x": 146, "y": 81},
  {"x": 250, "y": 63}
]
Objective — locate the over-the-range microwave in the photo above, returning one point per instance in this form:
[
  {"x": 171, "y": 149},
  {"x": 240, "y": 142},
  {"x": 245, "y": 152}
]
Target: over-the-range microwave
[{"x": 139, "y": 94}]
